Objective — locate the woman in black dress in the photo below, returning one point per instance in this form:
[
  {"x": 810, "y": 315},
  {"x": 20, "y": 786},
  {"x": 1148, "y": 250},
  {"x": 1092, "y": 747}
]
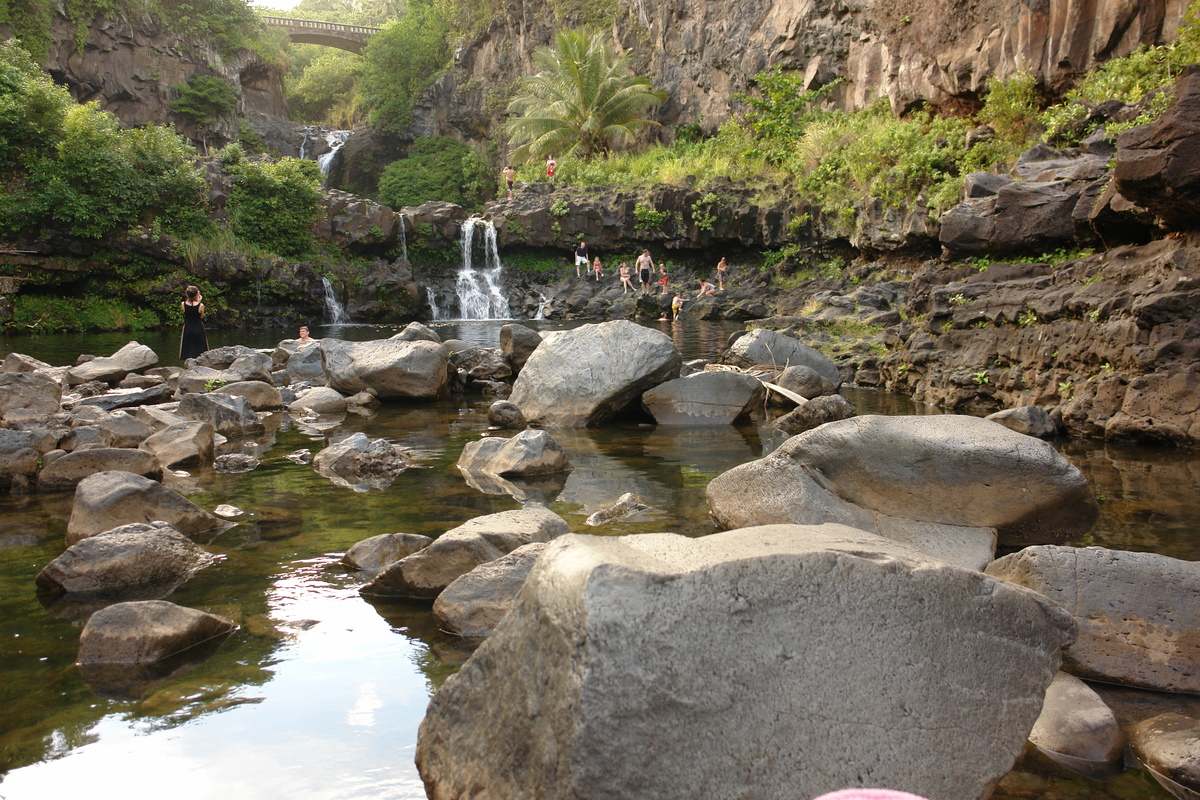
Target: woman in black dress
[{"x": 194, "y": 341}]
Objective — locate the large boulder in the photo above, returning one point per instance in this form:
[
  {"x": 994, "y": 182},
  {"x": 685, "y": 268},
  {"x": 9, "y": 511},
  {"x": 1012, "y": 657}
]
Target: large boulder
[
  {"x": 456, "y": 552},
  {"x": 482, "y": 363},
  {"x": 765, "y": 346},
  {"x": 182, "y": 443},
  {"x": 229, "y": 415},
  {"x": 250, "y": 366},
  {"x": 518, "y": 342},
  {"x": 120, "y": 429},
  {"x": 530, "y": 452},
  {"x": 1137, "y": 612},
  {"x": 318, "y": 400},
  {"x": 783, "y": 661},
  {"x": 416, "y": 332},
  {"x": 394, "y": 369},
  {"x": 361, "y": 463},
  {"x": 146, "y": 631},
  {"x": 111, "y": 499},
  {"x": 805, "y": 381},
  {"x": 1029, "y": 420},
  {"x": 946, "y": 470},
  {"x": 224, "y": 357},
  {"x": 261, "y": 395},
  {"x": 34, "y": 391},
  {"x": 1078, "y": 730},
  {"x": 474, "y": 604},
  {"x": 586, "y": 375},
  {"x": 127, "y": 556},
  {"x": 1023, "y": 217},
  {"x": 133, "y": 357},
  {"x": 306, "y": 364},
  {"x": 66, "y": 473},
  {"x": 704, "y": 398}
]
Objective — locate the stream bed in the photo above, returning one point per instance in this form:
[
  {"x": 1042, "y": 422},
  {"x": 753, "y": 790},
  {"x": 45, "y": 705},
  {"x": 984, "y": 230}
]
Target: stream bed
[{"x": 319, "y": 694}]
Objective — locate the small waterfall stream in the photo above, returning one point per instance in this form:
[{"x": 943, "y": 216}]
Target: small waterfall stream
[
  {"x": 333, "y": 307},
  {"x": 335, "y": 140},
  {"x": 403, "y": 238},
  {"x": 479, "y": 294}
]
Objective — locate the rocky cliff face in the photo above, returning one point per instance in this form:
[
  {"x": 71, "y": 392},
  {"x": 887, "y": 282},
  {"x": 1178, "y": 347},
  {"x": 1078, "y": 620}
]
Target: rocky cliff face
[
  {"x": 130, "y": 64},
  {"x": 936, "y": 52}
]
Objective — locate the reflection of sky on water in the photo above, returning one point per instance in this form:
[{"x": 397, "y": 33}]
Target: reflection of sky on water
[{"x": 338, "y": 719}]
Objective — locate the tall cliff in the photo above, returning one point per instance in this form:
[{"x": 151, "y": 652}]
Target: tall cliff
[
  {"x": 936, "y": 52},
  {"x": 129, "y": 65}
]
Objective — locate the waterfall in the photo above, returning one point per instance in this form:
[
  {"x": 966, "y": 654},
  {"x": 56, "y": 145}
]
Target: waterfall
[
  {"x": 335, "y": 140},
  {"x": 435, "y": 313},
  {"x": 333, "y": 307},
  {"x": 403, "y": 238},
  {"x": 479, "y": 295},
  {"x": 541, "y": 309},
  {"x": 304, "y": 146}
]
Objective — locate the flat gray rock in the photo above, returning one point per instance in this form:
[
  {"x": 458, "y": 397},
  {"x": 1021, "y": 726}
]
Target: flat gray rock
[
  {"x": 783, "y": 661},
  {"x": 1137, "y": 612}
]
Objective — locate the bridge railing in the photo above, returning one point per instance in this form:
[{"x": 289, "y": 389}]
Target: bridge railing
[{"x": 317, "y": 25}]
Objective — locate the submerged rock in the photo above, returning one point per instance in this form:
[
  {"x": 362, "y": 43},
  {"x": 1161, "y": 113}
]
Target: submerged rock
[
  {"x": 361, "y": 463},
  {"x": 530, "y": 452},
  {"x": 664, "y": 666},
  {"x": 1076, "y": 729},
  {"x": 815, "y": 413},
  {"x": 627, "y": 505},
  {"x": 378, "y": 552},
  {"x": 1169, "y": 747}
]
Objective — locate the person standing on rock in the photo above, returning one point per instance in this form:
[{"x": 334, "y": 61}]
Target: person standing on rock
[
  {"x": 581, "y": 258},
  {"x": 551, "y": 166},
  {"x": 510, "y": 178},
  {"x": 194, "y": 340},
  {"x": 644, "y": 265},
  {"x": 596, "y": 268},
  {"x": 626, "y": 284},
  {"x": 662, "y": 279},
  {"x": 722, "y": 268}
]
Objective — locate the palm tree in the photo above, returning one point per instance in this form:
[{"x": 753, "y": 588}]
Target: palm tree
[{"x": 584, "y": 100}]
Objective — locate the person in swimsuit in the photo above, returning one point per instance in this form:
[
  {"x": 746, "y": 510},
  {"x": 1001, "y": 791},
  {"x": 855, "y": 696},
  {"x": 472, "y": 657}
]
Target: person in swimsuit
[
  {"x": 644, "y": 265},
  {"x": 194, "y": 341},
  {"x": 722, "y": 268},
  {"x": 626, "y": 284},
  {"x": 676, "y": 305},
  {"x": 662, "y": 280},
  {"x": 706, "y": 288},
  {"x": 510, "y": 178},
  {"x": 551, "y": 165},
  {"x": 303, "y": 337},
  {"x": 596, "y": 268}
]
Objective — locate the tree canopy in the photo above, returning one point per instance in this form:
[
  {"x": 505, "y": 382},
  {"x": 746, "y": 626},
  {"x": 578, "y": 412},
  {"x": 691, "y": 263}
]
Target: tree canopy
[{"x": 585, "y": 99}]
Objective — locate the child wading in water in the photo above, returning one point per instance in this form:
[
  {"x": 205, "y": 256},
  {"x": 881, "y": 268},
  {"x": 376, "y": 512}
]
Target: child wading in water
[{"x": 676, "y": 304}]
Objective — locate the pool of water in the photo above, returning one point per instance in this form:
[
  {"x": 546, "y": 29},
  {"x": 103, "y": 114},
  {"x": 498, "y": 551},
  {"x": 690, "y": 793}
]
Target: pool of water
[{"x": 319, "y": 693}]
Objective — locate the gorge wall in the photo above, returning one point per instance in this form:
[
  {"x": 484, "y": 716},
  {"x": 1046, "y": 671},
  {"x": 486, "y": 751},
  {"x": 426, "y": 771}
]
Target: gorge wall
[
  {"x": 936, "y": 52},
  {"x": 130, "y": 64}
]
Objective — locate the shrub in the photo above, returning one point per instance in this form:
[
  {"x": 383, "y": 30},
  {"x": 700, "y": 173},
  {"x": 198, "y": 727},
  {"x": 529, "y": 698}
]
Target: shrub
[
  {"x": 272, "y": 204},
  {"x": 437, "y": 168}
]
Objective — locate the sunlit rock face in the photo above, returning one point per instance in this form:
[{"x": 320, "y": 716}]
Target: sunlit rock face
[{"x": 778, "y": 661}]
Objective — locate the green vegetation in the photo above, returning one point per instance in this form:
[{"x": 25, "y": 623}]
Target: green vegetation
[
  {"x": 584, "y": 101},
  {"x": 400, "y": 61},
  {"x": 324, "y": 90},
  {"x": 72, "y": 167},
  {"x": 230, "y": 24},
  {"x": 205, "y": 99},
  {"x": 438, "y": 168},
  {"x": 646, "y": 218},
  {"x": 272, "y": 204}
]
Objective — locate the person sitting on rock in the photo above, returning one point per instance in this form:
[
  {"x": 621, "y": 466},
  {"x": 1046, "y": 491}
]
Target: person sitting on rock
[
  {"x": 706, "y": 288},
  {"x": 626, "y": 284},
  {"x": 581, "y": 258},
  {"x": 596, "y": 268}
]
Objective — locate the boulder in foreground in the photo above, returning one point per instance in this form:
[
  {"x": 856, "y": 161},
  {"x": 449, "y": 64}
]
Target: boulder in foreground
[
  {"x": 782, "y": 661},
  {"x": 107, "y": 500},
  {"x": 145, "y": 631}
]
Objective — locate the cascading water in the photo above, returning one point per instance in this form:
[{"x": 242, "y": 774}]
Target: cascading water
[
  {"x": 435, "y": 313},
  {"x": 479, "y": 295},
  {"x": 333, "y": 307},
  {"x": 543, "y": 301},
  {"x": 335, "y": 140},
  {"x": 403, "y": 238}
]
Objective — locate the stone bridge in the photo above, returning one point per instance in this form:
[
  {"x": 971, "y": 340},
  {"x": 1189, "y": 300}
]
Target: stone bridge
[{"x": 330, "y": 34}]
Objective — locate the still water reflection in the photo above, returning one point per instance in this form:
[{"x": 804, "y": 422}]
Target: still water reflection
[{"x": 319, "y": 693}]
